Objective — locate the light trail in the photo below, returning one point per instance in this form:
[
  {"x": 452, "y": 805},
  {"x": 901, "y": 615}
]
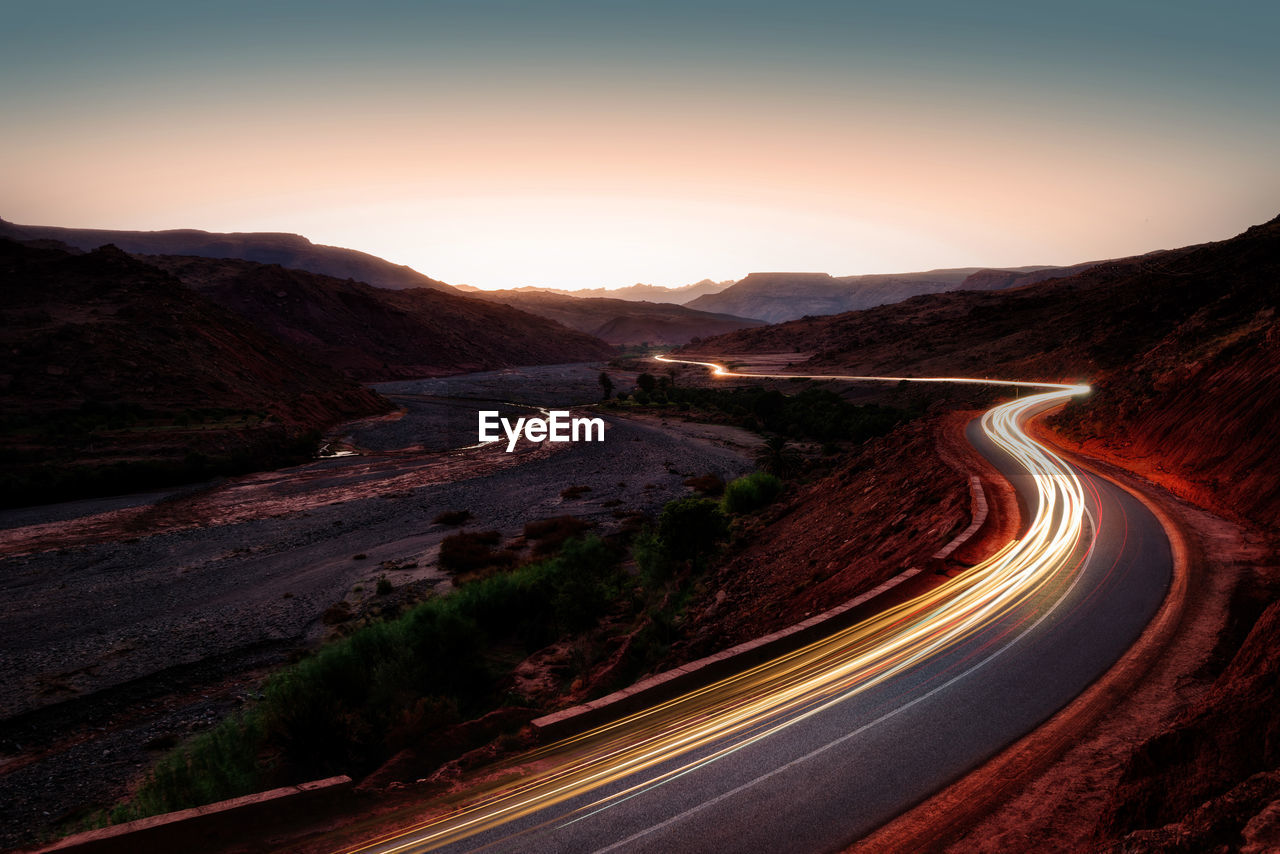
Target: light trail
[
  {"x": 721, "y": 371},
  {"x": 675, "y": 738}
]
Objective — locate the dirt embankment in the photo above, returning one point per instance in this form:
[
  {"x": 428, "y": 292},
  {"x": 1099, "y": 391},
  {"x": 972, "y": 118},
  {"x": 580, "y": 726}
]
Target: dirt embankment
[
  {"x": 1197, "y": 418},
  {"x": 1184, "y": 761}
]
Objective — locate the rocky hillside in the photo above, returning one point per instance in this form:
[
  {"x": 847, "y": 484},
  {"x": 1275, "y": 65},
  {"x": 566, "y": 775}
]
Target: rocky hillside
[
  {"x": 116, "y": 377},
  {"x": 620, "y": 321},
  {"x": 1179, "y": 347},
  {"x": 287, "y": 250},
  {"x": 804, "y": 557},
  {"x": 377, "y": 334},
  {"x": 778, "y": 297},
  {"x": 1183, "y": 351}
]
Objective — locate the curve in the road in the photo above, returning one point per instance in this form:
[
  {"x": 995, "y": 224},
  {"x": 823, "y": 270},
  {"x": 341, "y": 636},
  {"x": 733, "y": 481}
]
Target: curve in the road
[{"x": 815, "y": 748}]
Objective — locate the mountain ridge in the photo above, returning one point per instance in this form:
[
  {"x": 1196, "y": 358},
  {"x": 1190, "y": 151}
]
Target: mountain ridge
[
  {"x": 375, "y": 334},
  {"x": 117, "y": 377},
  {"x": 680, "y": 294},
  {"x": 777, "y": 297},
  {"x": 619, "y": 321},
  {"x": 283, "y": 248}
]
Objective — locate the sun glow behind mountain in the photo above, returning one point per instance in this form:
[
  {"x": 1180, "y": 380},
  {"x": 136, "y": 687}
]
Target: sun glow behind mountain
[{"x": 572, "y": 146}]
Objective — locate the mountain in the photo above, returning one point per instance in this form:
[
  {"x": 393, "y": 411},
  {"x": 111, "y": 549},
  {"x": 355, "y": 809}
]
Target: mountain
[
  {"x": 287, "y": 250},
  {"x": 680, "y": 295},
  {"x": 379, "y": 334},
  {"x": 778, "y": 297},
  {"x": 116, "y": 377},
  {"x": 998, "y": 279},
  {"x": 644, "y": 293},
  {"x": 619, "y": 321}
]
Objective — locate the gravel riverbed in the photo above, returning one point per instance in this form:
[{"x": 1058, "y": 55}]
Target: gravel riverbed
[{"x": 126, "y": 624}]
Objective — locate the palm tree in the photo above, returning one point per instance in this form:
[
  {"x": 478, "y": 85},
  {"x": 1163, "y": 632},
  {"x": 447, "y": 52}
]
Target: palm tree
[{"x": 777, "y": 457}]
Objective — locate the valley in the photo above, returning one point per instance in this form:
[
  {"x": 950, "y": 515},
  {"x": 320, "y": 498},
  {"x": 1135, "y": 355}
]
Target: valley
[{"x": 137, "y": 621}]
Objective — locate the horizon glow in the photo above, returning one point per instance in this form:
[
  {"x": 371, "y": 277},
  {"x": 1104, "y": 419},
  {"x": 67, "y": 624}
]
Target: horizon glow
[{"x": 573, "y": 145}]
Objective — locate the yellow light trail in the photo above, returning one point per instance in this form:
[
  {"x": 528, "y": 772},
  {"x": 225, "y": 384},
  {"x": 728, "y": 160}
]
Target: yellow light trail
[{"x": 712, "y": 722}]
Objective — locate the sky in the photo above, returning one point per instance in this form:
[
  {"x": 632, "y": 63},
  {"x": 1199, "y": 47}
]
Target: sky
[{"x": 504, "y": 144}]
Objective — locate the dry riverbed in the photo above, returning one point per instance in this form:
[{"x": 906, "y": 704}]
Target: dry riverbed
[{"x": 127, "y": 624}]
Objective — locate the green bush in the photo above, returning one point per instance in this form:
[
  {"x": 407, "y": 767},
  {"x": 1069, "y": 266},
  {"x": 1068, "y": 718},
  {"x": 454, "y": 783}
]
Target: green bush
[
  {"x": 220, "y": 763},
  {"x": 751, "y": 492},
  {"x": 691, "y": 527}
]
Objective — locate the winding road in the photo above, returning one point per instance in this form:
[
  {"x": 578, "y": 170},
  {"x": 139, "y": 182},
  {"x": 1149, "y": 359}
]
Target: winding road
[{"x": 815, "y": 749}]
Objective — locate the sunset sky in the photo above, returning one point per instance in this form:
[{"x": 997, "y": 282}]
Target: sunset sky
[{"x": 601, "y": 144}]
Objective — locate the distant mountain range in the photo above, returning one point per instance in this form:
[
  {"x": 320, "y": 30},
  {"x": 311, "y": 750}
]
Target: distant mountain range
[
  {"x": 620, "y": 321},
  {"x": 287, "y": 250},
  {"x": 778, "y": 297},
  {"x": 647, "y": 293},
  {"x": 768, "y": 297}
]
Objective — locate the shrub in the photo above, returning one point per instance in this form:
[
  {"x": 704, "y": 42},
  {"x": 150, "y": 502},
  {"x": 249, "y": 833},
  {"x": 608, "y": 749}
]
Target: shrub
[
  {"x": 469, "y": 551},
  {"x": 453, "y": 517},
  {"x": 338, "y": 612},
  {"x": 707, "y": 484},
  {"x": 751, "y": 492},
  {"x": 652, "y": 560},
  {"x": 384, "y": 586},
  {"x": 690, "y": 528},
  {"x": 777, "y": 457},
  {"x": 551, "y": 534}
]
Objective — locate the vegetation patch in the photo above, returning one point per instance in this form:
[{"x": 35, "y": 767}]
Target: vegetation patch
[
  {"x": 389, "y": 685},
  {"x": 750, "y": 493},
  {"x": 453, "y": 517},
  {"x": 551, "y": 534},
  {"x": 710, "y": 485},
  {"x": 814, "y": 414},
  {"x": 469, "y": 551}
]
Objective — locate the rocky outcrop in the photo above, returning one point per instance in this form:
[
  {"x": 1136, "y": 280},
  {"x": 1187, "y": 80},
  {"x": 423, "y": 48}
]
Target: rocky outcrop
[{"x": 1215, "y": 770}]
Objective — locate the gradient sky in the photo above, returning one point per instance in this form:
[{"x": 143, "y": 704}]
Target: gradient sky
[{"x": 600, "y": 144}]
